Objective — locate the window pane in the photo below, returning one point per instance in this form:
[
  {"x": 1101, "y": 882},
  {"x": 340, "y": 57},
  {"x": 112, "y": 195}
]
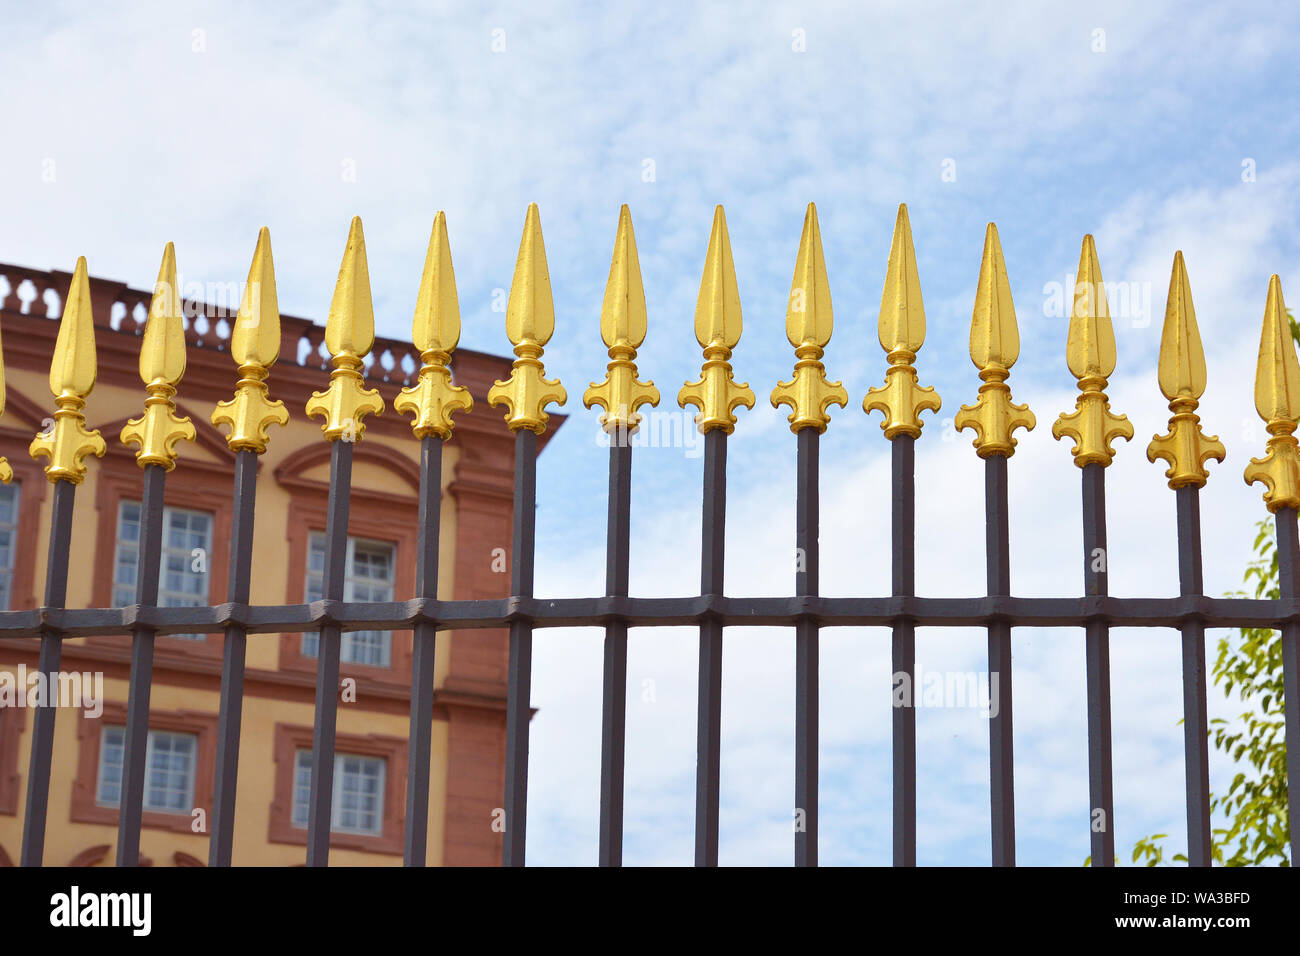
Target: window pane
[
  {"x": 182, "y": 580},
  {"x": 369, "y": 576},
  {"x": 168, "y": 775},
  {"x": 314, "y": 587},
  {"x": 169, "y": 780},
  {"x": 111, "y": 749},
  {"x": 301, "y": 786},
  {"x": 358, "y": 793},
  {"x": 8, "y": 535}
]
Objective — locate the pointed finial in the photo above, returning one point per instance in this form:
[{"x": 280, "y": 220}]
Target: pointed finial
[
  {"x": 994, "y": 348},
  {"x": 162, "y": 363},
  {"x": 623, "y": 328},
  {"x": 72, "y": 375},
  {"x": 254, "y": 345},
  {"x": 808, "y": 327},
  {"x": 435, "y": 330},
  {"x": 902, "y": 332},
  {"x": 530, "y": 322},
  {"x": 1090, "y": 353},
  {"x": 1182, "y": 379},
  {"x": 349, "y": 335},
  {"x": 1277, "y": 399},
  {"x": 6, "y": 473},
  {"x": 717, "y": 328}
]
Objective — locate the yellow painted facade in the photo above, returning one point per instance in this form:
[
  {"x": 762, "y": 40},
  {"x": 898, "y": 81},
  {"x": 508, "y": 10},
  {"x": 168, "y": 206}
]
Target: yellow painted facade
[{"x": 276, "y": 693}]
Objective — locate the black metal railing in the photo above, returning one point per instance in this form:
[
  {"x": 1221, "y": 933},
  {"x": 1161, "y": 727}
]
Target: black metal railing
[{"x": 711, "y": 611}]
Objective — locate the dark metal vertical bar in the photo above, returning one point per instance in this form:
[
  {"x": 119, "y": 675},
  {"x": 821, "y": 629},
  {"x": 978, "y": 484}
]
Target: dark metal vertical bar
[
  {"x": 320, "y": 798},
  {"x": 1096, "y": 560},
  {"x": 131, "y": 805},
  {"x": 708, "y": 734},
  {"x": 1002, "y": 789},
  {"x": 903, "y": 649},
  {"x": 51, "y": 654},
  {"x": 1196, "y": 728},
  {"x": 519, "y": 680},
  {"x": 423, "y": 654},
  {"x": 1288, "y": 557},
  {"x": 613, "y": 732},
  {"x": 806, "y": 670},
  {"x": 232, "y": 662}
]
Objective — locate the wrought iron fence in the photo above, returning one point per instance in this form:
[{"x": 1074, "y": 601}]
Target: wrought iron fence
[{"x": 432, "y": 398}]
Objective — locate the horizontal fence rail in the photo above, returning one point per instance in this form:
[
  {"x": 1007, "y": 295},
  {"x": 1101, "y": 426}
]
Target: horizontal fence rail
[
  {"x": 431, "y": 398},
  {"x": 1173, "y": 612}
]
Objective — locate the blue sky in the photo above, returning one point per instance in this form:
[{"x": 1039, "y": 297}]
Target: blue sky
[{"x": 199, "y": 123}]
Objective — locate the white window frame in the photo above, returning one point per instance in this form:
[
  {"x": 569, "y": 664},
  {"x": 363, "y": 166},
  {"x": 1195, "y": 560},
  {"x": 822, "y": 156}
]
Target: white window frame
[
  {"x": 10, "y": 528},
  {"x": 124, "y": 594},
  {"x": 350, "y": 643},
  {"x": 152, "y": 753},
  {"x": 302, "y": 788}
]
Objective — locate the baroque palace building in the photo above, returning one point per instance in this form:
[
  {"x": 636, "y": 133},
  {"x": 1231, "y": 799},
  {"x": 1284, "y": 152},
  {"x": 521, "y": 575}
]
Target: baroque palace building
[{"x": 468, "y": 748}]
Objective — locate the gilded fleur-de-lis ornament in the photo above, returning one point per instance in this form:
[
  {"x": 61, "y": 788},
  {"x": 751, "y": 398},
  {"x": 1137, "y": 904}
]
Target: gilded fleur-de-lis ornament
[
  {"x": 530, "y": 322},
  {"x": 808, "y": 324},
  {"x": 254, "y": 345},
  {"x": 6, "y": 472},
  {"x": 717, "y": 328},
  {"x": 66, "y": 442},
  {"x": 349, "y": 336},
  {"x": 1277, "y": 399},
  {"x": 902, "y": 333},
  {"x": 435, "y": 330},
  {"x": 1182, "y": 380},
  {"x": 162, "y": 363},
  {"x": 994, "y": 348},
  {"x": 623, "y": 328},
  {"x": 1090, "y": 353}
]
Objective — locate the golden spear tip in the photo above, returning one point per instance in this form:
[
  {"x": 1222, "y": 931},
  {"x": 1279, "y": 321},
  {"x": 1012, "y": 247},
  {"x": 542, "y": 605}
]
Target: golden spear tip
[
  {"x": 1090, "y": 340},
  {"x": 718, "y": 317},
  {"x": 1182, "y": 380},
  {"x": 623, "y": 318},
  {"x": 350, "y": 326},
  {"x": 1277, "y": 375},
  {"x": 1182, "y": 358},
  {"x": 808, "y": 323},
  {"x": 623, "y": 328},
  {"x": 349, "y": 336},
  {"x": 530, "y": 307},
  {"x": 436, "y": 324},
  {"x": 532, "y": 220},
  {"x": 809, "y": 317},
  {"x": 72, "y": 376},
  {"x": 157, "y": 431},
  {"x": 902, "y": 309},
  {"x": 435, "y": 330},
  {"x": 162, "y": 351},
  {"x": 1274, "y": 293},
  {"x": 530, "y": 322},
  {"x": 78, "y": 289},
  {"x": 994, "y": 335},
  {"x": 1089, "y": 264},
  {"x": 165, "y": 293},
  {"x": 74, "y": 366},
  {"x": 1277, "y": 399},
  {"x": 255, "y": 339}
]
